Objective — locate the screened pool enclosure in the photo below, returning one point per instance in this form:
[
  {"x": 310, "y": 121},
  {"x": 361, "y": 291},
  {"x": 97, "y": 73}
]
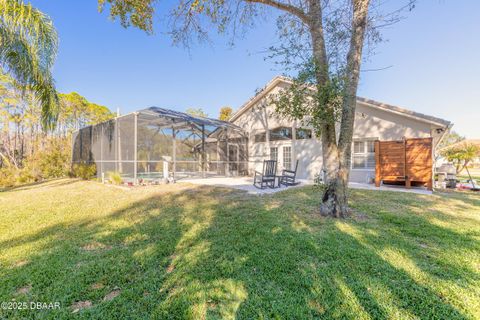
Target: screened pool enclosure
[{"x": 155, "y": 144}]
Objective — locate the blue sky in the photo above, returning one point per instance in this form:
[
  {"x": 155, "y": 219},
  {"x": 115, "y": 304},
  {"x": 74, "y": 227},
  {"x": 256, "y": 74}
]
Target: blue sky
[{"x": 432, "y": 57}]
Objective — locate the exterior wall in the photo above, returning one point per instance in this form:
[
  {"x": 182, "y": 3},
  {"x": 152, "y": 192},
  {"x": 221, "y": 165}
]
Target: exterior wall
[
  {"x": 261, "y": 118},
  {"x": 376, "y": 124},
  {"x": 370, "y": 123}
]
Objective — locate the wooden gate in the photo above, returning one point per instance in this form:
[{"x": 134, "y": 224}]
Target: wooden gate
[{"x": 407, "y": 161}]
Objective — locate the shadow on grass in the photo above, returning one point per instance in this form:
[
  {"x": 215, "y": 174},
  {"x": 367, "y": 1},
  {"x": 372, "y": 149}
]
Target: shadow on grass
[
  {"x": 215, "y": 253},
  {"x": 40, "y": 184}
]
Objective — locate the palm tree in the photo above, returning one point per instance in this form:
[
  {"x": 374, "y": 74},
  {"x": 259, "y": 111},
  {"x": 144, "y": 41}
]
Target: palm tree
[{"x": 28, "y": 48}]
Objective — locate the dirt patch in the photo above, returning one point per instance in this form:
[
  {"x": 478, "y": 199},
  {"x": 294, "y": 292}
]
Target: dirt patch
[
  {"x": 358, "y": 215},
  {"x": 24, "y": 290},
  {"x": 79, "y": 305},
  {"x": 112, "y": 295},
  {"x": 97, "y": 286},
  {"x": 211, "y": 304},
  {"x": 170, "y": 268},
  {"x": 20, "y": 263},
  {"x": 315, "y": 305},
  {"x": 92, "y": 246}
]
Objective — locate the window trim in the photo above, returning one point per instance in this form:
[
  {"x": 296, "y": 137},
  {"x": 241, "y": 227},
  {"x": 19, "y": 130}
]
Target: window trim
[
  {"x": 272, "y": 136},
  {"x": 365, "y": 153},
  {"x": 283, "y": 157},
  {"x": 276, "y": 153}
]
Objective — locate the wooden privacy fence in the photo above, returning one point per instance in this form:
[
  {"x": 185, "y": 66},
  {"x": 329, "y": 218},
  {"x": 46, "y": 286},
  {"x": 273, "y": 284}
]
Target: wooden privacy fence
[{"x": 408, "y": 161}]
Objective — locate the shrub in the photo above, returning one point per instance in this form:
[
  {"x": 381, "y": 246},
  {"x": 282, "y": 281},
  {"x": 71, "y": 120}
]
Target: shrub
[
  {"x": 8, "y": 176},
  {"x": 84, "y": 171},
  {"x": 115, "y": 177},
  {"x": 54, "y": 162}
]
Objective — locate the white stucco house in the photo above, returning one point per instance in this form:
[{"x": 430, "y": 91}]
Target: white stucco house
[
  {"x": 271, "y": 137},
  {"x": 157, "y": 143}
]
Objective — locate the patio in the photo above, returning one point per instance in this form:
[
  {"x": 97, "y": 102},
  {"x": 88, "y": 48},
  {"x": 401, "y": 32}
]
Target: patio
[
  {"x": 246, "y": 184},
  {"x": 240, "y": 183}
]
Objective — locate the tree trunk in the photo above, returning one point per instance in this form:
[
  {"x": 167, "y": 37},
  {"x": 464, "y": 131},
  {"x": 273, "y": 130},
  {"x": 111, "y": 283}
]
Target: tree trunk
[
  {"x": 334, "y": 198},
  {"x": 337, "y": 157}
]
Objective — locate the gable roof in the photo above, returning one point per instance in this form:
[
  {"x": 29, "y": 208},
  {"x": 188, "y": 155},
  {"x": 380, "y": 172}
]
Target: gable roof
[{"x": 367, "y": 102}]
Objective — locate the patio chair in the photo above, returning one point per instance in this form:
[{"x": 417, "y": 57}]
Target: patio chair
[
  {"x": 288, "y": 176},
  {"x": 267, "y": 177}
]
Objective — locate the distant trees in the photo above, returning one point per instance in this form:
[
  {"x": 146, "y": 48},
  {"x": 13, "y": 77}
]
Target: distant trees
[
  {"x": 78, "y": 112},
  {"x": 225, "y": 113},
  {"x": 450, "y": 138},
  {"x": 461, "y": 154},
  {"x": 28, "y": 153},
  {"x": 198, "y": 112}
]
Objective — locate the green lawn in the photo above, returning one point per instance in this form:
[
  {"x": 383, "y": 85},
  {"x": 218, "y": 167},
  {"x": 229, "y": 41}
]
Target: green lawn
[
  {"x": 474, "y": 173},
  {"x": 198, "y": 252}
]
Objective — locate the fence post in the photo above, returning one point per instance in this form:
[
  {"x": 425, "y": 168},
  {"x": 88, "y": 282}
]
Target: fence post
[
  {"x": 227, "y": 166},
  {"x": 135, "y": 144},
  {"x": 174, "y": 154},
  {"x": 203, "y": 151}
]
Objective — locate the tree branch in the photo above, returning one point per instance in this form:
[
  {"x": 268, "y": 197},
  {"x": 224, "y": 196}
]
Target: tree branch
[{"x": 285, "y": 7}]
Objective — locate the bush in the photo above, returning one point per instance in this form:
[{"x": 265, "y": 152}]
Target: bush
[
  {"x": 8, "y": 176},
  {"x": 115, "y": 177},
  {"x": 50, "y": 161},
  {"x": 54, "y": 162},
  {"x": 84, "y": 171}
]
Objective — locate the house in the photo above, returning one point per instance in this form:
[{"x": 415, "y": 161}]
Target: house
[
  {"x": 155, "y": 144},
  {"x": 288, "y": 141}
]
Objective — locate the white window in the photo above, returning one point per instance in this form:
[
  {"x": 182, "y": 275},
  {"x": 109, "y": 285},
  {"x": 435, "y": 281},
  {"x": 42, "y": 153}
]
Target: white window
[
  {"x": 287, "y": 158},
  {"x": 363, "y": 156},
  {"x": 274, "y": 153}
]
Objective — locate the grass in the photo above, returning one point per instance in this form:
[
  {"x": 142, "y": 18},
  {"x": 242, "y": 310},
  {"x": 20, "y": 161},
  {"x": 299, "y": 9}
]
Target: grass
[
  {"x": 182, "y": 251},
  {"x": 474, "y": 173},
  {"x": 465, "y": 177}
]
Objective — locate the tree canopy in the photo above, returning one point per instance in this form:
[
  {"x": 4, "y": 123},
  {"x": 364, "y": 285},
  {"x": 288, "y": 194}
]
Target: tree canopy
[
  {"x": 28, "y": 48},
  {"x": 28, "y": 153},
  {"x": 461, "y": 153},
  {"x": 196, "y": 112},
  {"x": 225, "y": 113}
]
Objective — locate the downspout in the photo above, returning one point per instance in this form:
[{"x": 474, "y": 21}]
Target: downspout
[{"x": 447, "y": 129}]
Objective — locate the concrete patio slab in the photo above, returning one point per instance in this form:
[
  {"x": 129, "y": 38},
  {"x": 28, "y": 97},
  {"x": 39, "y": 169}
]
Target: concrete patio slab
[
  {"x": 365, "y": 186},
  {"x": 246, "y": 184},
  {"x": 239, "y": 183}
]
